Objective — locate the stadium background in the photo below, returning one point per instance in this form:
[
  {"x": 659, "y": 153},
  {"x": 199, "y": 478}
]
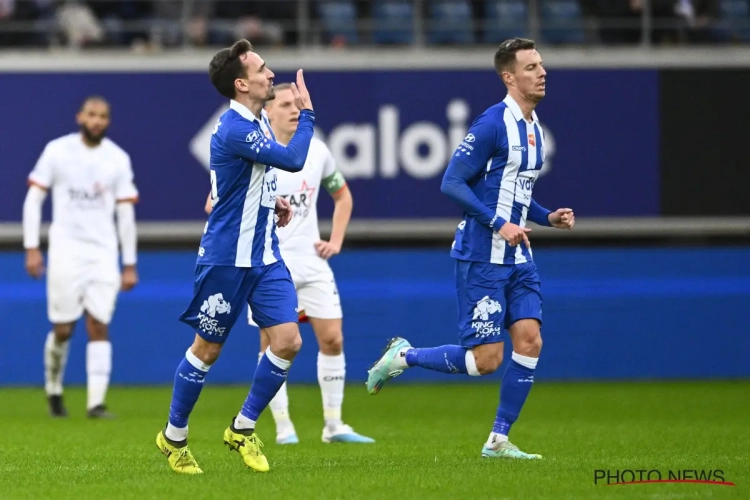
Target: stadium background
[{"x": 645, "y": 141}]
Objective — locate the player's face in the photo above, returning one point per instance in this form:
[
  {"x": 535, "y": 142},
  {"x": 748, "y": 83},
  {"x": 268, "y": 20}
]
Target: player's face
[
  {"x": 258, "y": 78},
  {"x": 93, "y": 120},
  {"x": 529, "y": 75},
  {"x": 283, "y": 114}
]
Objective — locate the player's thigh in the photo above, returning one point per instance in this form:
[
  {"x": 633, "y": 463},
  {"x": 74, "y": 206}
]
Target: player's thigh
[
  {"x": 524, "y": 295},
  {"x": 219, "y": 294},
  {"x": 273, "y": 300},
  {"x": 318, "y": 295},
  {"x": 481, "y": 295},
  {"x": 101, "y": 290},
  {"x": 65, "y": 289}
]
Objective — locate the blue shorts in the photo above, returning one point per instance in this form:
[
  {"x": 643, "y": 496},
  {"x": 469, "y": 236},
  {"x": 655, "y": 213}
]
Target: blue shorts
[
  {"x": 221, "y": 292},
  {"x": 491, "y": 297}
]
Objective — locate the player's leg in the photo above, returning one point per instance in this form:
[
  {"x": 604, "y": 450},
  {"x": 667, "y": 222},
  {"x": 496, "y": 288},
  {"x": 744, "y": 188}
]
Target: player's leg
[
  {"x": 64, "y": 308},
  {"x": 481, "y": 308},
  {"x": 524, "y": 321},
  {"x": 274, "y": 305},
  {"x": 99, "y": 302},
  {"x": 219, "y": 292}
]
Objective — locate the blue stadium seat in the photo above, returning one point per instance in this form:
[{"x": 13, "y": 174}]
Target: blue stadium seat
[
  {"x": 561, "y": 22},
  {"x": 505, "y": 19},
  {"x": 393, "y": 22},
  {"x": 734, "y": 20},
  {"x": 339, "y": 19},
  {"x": 450, "y": 22}
]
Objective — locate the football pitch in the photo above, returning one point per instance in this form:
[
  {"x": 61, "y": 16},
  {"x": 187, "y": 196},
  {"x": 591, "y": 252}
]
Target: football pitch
[{"x": 428, "y": 446}]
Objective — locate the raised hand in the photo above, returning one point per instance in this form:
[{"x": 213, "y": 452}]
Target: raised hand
[{"x": 300, "y": 93}]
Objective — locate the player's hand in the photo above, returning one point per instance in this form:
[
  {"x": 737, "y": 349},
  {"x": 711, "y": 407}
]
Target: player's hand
[
  {"x": 514, "y": 234},
  {"x": 326, "y": 249},
  {"x": 129, "y": 278},
  {"x": 300, "y": 93},
  {"x": 562, "y": 218},
  {"x": 34, "y": 263},
  {"x": 283, "y": 211}
]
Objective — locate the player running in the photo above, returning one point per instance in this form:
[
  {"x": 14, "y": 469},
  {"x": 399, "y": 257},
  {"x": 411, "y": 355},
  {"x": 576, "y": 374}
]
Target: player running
[
  {"x": 238, "y": 259},
  {"x": 91, "y": 179},
  {"x": 491, "y": 176},
  {"x": 305, "y": 254}
]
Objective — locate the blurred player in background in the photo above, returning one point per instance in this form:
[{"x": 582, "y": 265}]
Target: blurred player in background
[
  {"x": 305, "y": 255},
  {"x": 238, "y": 259},
  {"x": 91, "y": 179},
  {"x": 491, "y": 176}
]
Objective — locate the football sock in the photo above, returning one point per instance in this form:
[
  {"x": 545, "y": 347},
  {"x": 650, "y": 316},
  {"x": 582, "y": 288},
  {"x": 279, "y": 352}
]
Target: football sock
[
  {"x": 98, "y": 369},
  {"x": 445, "y": 359},
  {"x": 55, "y": 358},
  {"x": 270, "y": 375},
  {"x": 516, "y": 385},
  {"x": 280, "y": 408},
  {"x": 331, "y": 376},
  {"x": 188, "y": 382}
]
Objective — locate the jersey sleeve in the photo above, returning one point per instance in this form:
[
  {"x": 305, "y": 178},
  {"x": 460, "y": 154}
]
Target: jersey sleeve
[
  {"x": 43, "y": 174},
  {"x": 333, "y": 180},
  {"x": 247, "y": 140},
  {"x": 480, "y": 143},
  {"x": 125, "y": 189}
]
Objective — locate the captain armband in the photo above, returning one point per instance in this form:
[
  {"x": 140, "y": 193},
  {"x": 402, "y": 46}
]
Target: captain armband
[{"x": 334, "y": 182}]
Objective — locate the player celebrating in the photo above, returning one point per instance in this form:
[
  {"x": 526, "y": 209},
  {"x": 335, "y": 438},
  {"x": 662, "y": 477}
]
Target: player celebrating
[
  {"x": 305, "y": 255},
  {"x": 91, "y": 179},
  {"x": 491, "y": 176},
  {"x": 239, "y": 260}
]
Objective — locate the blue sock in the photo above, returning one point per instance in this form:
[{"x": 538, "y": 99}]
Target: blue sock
[
  {"x": 188, "y": 382},
  {"x": 269, "y": 377},
  {"x": 514, "y": 390},
  {"x": 446, "y": 358}
]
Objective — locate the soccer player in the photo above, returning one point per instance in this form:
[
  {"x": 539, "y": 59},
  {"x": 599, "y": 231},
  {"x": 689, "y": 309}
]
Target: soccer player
[
  {"x": 238, "y": 259},
  {"x": 305, "y": 254},
  {"x": 491, "y": 176},
  {"x": 91, "y": 179}
]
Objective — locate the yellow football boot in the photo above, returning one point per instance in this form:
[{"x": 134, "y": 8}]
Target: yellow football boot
[
  {"x": 248, "y": 445},
  {"x": 179, "y": 457}
]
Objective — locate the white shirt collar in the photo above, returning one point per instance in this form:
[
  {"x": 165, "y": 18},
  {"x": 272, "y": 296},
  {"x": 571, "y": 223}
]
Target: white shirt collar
[
  {"x": 246, "y": 113},
  {"x": 515, "y": 109}
]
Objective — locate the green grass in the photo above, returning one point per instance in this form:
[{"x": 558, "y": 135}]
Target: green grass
[{"x": 429, "y": 440}]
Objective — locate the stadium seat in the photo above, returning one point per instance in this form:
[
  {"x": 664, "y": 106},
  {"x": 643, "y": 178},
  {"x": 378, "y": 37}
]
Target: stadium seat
[
  {"x": 561, "y": 22},
  {"x": 339, "y": 20},
  {"x": 393, "y": 22},
  {"x": 450, "y": 22},
  {"x": 505, "y": 19},
  {"x": 734, "y": 20}
]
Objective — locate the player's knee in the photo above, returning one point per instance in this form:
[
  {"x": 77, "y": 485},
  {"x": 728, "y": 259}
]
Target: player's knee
[
  {"x": 63, "y": 331},
  {"x": 96, "y": 329},
  {"x": 530, "y": 346},
  {"x": 286, "y": 345},
  {"x": 488, "y": 358},
  {"x": 333, "y": 344},
  {"x": 207, "y": 352}
]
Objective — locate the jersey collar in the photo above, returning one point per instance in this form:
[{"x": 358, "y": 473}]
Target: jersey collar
[
  {"x": 515, "y": 109},
  {"x": 245, "y": 113}
]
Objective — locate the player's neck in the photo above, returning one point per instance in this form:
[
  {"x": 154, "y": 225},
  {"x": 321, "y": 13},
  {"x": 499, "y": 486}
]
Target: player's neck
[
  {"x": 254, "y": 106},
  {"x": 527, "y": 106},
  {"x": 88, "y": 142}
]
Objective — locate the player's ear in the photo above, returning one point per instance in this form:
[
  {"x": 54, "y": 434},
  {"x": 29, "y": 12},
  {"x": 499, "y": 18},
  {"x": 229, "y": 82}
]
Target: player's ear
[{"x": 240, "y": 85}]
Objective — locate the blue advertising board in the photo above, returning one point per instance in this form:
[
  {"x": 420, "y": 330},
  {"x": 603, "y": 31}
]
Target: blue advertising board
[{"x": 392, "y": 133}]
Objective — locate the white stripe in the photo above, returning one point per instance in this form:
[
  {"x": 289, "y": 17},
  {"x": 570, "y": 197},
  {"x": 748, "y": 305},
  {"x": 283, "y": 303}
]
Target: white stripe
[
  {"x": 250, "y": 217},
  {"x": 268, "y": 257},
  {"x": 520, "y": 257},
  {"x": 507, "y": 186}
]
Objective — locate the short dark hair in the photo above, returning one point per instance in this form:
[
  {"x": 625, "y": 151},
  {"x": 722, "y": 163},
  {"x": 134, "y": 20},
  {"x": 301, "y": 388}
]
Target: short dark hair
[
  {"x": 94, "y": 98},
  {"x": 505, "y": 57},
  {"x": 226, "y": 67}
]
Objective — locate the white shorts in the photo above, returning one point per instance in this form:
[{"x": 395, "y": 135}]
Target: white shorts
[
  {"x": 75, "y": 285},
  {"x": 317, "y": 294}
]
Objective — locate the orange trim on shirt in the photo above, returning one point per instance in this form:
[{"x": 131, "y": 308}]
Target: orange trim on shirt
[
  {"x": 132, "y": 200},
  {"x": 34, "y": 183}
]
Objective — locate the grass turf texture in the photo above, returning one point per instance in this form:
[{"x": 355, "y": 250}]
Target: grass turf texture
[{"x": 429, "y": 441}]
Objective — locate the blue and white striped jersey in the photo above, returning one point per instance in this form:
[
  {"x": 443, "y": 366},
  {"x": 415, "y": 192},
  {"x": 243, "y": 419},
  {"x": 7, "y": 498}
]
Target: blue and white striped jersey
[
  {"x": 241, "y": 230},
  {"x": 505, "y": 153}
]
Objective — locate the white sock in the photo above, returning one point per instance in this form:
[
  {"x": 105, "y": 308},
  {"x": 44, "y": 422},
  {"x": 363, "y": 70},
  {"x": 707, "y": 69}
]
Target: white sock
[
  {"x": 176, "y": 433},
  {"x": 242, "y": 422},
  {"x": 471, "y": 364},
  {"x": 98, "y": 369},
  {"x": 399, "y": 362},
  {"x": 331, "y": 376},
  {"x": 280, "y": 408},
  {"x": 495, "y": 438},
  {"x": 55, "y": 359}
]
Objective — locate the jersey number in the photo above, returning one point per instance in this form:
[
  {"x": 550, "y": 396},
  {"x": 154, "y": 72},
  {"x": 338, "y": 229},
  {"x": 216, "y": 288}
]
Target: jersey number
[{"x": 214, "y": 189}]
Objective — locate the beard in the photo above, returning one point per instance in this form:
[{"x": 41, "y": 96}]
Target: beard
[{"x": 91, "y": 137}]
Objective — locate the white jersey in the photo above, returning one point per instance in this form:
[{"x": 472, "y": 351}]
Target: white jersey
[
  {"x": 298, "y": 238},
  {"x": 86, "y": 183}
]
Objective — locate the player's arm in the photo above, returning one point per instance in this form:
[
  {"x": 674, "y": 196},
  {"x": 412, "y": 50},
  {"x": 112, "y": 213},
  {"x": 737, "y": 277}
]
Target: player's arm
[
  {"x": 469, "y": 160},
  {"x": 40, "y": 180},
  {"x": 538, "y": 214},
  {"x": 127, "y": 196},
  {"x": 343, "y": 203},
  {"x": 250, "y": 143},
  {"x": 209, "y": 206}
]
